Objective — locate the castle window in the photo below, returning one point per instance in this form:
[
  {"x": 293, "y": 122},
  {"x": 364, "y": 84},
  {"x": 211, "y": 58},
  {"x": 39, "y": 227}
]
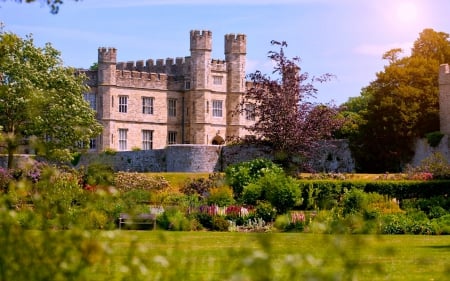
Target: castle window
[
  {"x": 217, "y": 108},
  {"x": 147, "y": 105},
  {"x": 217, "y": 80},
  {"x": 172, "y": 137},
  {"x": 123, "y": 104},
  {"x": 187, "y": 85},
  {"x": 123, "y": 139},
  {"x": 93, "y": 144},
  {"x": 91, "y": 99},
  {"x": 147, "y": 139},
  {"x": 250, "y": 112},
  {"x": 172, "y": 107}
]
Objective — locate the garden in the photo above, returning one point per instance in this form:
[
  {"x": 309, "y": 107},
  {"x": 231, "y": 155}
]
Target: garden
[{"x": 252, "y": 222}]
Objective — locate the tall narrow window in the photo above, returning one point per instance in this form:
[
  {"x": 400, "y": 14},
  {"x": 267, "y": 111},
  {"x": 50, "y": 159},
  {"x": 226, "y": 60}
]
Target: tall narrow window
[
  {"x": 93, "y": 144},
  {"x": 172, "y": 137},
  {"x": 217, "y": 108},
  {"x": 217, "y": 80},
  {"x": 172, "y": 107},
  {"x": 147, "y": 139},
  {"x": 250, "y": 112},
  {"x": 147, "y": 105},
  {"x": 91, "y": 98},
  {"x": 123, "y": 139},
  {"x": 123, "y": 104}
]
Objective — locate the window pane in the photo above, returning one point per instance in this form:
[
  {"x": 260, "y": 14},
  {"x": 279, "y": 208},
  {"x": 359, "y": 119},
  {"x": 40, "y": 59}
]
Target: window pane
[
  {"x": 217, "y": 108},
  {"x": 147, "y": 139},
  {"x": 172, "y": 137},
  {"x": 147, "y": 105},
  {"x": 123, "y": 103},
  {"x": 172, "y": 107},
  {"x": 123, "y": 139}
]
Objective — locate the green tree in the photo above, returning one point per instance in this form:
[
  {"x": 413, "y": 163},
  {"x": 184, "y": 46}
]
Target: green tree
[
  {"x": 285, "y": 116},
  {"x": 402, "y": 104},
  {"x": 41, "y": 100}
]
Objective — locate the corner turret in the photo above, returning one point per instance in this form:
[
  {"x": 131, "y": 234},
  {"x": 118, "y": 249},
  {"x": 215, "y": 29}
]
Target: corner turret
[
  {"x": 201, "y": 46},
  {"x": 107, "y": 58}
]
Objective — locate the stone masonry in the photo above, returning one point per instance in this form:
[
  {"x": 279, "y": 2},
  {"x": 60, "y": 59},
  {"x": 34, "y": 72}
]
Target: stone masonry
[{"x": 186, "y": 100}]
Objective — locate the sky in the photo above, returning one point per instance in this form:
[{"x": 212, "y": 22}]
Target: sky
[{"x": 346, "y": 38}]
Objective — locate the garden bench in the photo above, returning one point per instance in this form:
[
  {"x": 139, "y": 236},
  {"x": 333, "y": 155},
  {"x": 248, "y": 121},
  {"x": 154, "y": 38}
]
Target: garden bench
[{"x": 140, "y": 219}]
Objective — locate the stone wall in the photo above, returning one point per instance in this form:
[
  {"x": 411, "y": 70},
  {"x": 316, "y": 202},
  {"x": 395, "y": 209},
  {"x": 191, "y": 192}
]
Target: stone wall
[{"x": 204, "y": 158}]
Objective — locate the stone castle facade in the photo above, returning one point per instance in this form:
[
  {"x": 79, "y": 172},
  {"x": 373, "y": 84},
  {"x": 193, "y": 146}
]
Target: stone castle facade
[{"x": 189, "y": 100}]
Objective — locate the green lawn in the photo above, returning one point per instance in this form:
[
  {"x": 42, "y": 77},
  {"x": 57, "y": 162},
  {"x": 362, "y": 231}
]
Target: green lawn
[{"x": 278, "y": 256}]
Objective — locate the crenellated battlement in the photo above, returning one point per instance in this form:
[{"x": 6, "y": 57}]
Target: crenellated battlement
[
  {"x": 178, "y": 66},
  {"x": 107, "y": 55},
  {"x": 201, "y": 40},
  {"x": 235, "y": 43},
  {"x": 444, "y": 74},
  {"x": 218, "y": 65}
]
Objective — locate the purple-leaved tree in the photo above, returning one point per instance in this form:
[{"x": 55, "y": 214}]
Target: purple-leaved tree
[{"x": 285, "y": 117}]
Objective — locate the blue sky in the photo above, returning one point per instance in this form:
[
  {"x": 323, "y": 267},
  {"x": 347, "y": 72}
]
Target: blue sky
[{"x": 344, "y": 37}]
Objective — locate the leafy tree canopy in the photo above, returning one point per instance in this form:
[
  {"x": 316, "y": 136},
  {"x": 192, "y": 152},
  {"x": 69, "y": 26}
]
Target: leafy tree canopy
[
  {"x": 400, "y": 105},
  {"x": 42, "y": 100},
  {"x": 284, "y": 115}
]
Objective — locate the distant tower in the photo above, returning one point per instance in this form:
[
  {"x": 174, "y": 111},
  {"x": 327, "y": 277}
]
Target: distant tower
[
  {"x": 107, "y": 59},
  {"x": 444, "y": 98},
  {"x": 235, "y": 57}
]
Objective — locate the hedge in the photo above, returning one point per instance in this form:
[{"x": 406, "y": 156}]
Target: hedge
[{"x": 326, "y": 190}]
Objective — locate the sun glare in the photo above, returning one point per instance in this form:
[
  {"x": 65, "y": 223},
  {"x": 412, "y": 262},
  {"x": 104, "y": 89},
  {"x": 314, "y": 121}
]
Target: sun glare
[{"x": 407, "y": 11}]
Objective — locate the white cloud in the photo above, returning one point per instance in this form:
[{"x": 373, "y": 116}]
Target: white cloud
[{"x": 380, "y": 49}]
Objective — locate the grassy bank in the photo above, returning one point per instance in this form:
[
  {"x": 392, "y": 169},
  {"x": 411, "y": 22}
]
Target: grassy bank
[{"x": 278, "y": 256}]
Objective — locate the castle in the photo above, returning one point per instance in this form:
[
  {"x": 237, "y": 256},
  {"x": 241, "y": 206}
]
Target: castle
[{"x": 189, "y": 100}]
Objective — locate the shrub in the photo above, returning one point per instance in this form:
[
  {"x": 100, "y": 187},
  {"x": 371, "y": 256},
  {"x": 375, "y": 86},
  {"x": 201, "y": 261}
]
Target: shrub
[
  {"x": 220, "y": 196},
  {"x": 436, "y": 164},
  {"x": 174, "y": 219},
  {"x": 5, "y": 179},
  {"x": 280, "y": 190},
  {"x": 241, "y": 174},
  {"x": 99, "y": 174},
  {"x": 199, "y": 187},
  {"x": 252, "y": 194},
  {"x": 265, "y": 211},
  {"x": 434, "y": 138},
  {"x": 219, "y": 223},
  {"x": 125, "y": 181},
  {"x": 355, "y": 201}
]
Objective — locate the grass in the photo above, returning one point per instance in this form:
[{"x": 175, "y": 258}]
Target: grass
[
  {"x": 277, "y": 256},
  {"x": 177, "y": 180}
]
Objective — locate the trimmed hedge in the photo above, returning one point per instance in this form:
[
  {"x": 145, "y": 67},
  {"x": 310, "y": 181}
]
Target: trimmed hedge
[{"x": 324, "y": 193}]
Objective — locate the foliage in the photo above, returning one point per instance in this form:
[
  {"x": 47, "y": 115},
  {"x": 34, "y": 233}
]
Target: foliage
[
  {"x": 294, "y": 126},
  {"x": 98, "y": 174},
  {"x": 5, "y": 179},
  {"x": 435, "y": 164},
  {"x": 281, "y": 191},
  {"x": 126, "y": 181},
  {"x": 241, "y": 174},
  {"x": 354, "y": 201},
  {"x": 220, "y": 196},
  {"x": 41, "y": 101},
  {"x": 174, "y": 219},
  {"x": 265, "y": 211},
  {"x": 434, "y": 138},
  {"x": 401, "y": 105}
]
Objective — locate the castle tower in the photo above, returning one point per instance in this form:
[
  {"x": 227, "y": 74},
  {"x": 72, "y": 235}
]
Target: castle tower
[
  {"x": 235, "y": 57},
  {"x": 444, "y": 98},
  {"x": 201, "y": 46},
  {"x": 107, "y": 59}
]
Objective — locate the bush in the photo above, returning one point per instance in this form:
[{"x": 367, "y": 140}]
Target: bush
[
  {"x": 99, "y": 174},
  {"x": 280, "y": 190},
  {"x": 265, "y": 211},
  {"x": 241, "y": 174},
  {"x": 355, "y": 201},
  {"x": 436, "y": 164},
  {"x": 434, "y": 138},
  {"x": 252, "y": 194},
  {"x": 125, "y": 181},
  {"x": 5, "y": 179},
  {"x": 220, "y": 196},
  {"x": 174, "y": 219}
]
